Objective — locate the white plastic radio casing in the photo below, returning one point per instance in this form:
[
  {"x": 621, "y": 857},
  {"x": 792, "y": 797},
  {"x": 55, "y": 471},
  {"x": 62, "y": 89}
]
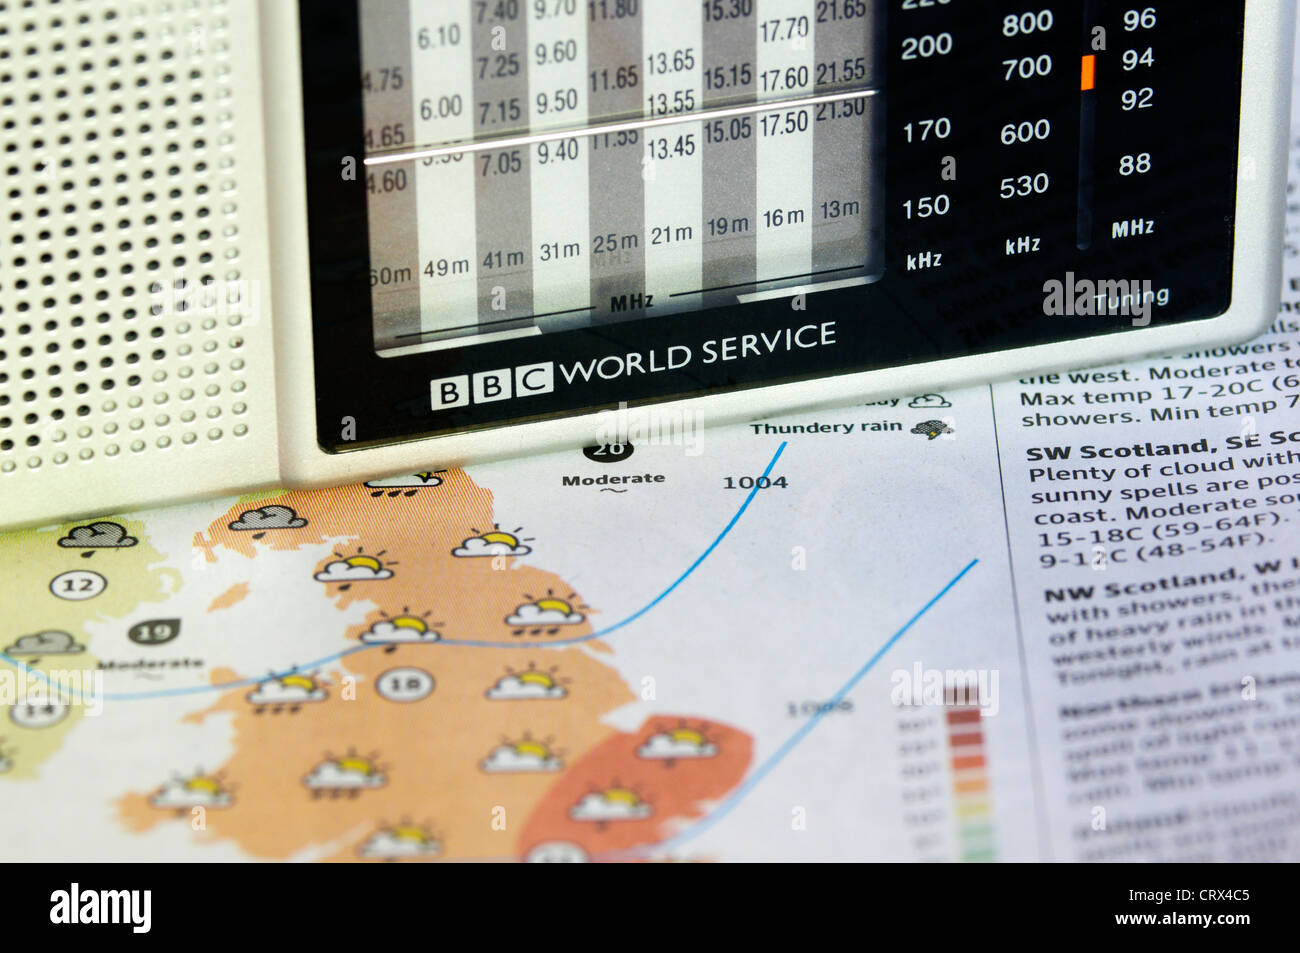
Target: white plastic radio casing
[{"x": 155, "y": 145}]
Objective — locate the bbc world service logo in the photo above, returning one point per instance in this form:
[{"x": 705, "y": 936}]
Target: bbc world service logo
[{"x": 527, "y": 380}]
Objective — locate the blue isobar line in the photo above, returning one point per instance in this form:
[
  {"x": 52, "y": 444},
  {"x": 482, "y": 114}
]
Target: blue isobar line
[
  {"x": 200, "y": 689},
  {"x": 465, "y": 643},
  {"x": 763, "y": 770},
  {"x": 749, "y": 498}
]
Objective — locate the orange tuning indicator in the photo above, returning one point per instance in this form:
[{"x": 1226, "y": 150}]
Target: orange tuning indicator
[{"x": 1088, "y": 72}]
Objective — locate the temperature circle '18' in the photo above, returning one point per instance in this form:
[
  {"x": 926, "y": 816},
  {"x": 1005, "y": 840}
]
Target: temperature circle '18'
[{"x": 406, "y": 684}]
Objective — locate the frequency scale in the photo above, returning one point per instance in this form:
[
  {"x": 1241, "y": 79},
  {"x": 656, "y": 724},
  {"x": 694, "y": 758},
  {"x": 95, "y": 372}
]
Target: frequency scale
[{"x": 638, "y": 159}]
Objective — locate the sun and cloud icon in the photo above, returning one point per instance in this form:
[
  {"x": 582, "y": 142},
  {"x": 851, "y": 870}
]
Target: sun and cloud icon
[
  {"x": 676, "y": 744},
  {"x": 195, "y": 790},
  {"x": 527, "y": 755},
  {"x": 614, "y": 803},
  {"x": 357, "y": 568},
  {"x": 400, "y": 841},
  {"x": 101, "y": 535},
  {"x": 556, "y": 852},
  {"x": 530, "y": 684},
  {"x": 545, "y": 615},
  {"x": 263, "y": 519},
  {"x": 403, "y": 628},
  {"x": 408, "y": 484},
  {"x": 347, "y": 775},
  {"x": 495, "y": 542},
  {"x": 286, "y": 693},
  {"x": 49, "y": 642}
]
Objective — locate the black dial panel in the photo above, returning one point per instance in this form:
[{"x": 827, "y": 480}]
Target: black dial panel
[{"x": 831, "y": 188}]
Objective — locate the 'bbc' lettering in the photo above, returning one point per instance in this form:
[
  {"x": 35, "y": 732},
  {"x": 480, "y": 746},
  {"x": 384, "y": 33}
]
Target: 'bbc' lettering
[{"x": 527, "y": 380}]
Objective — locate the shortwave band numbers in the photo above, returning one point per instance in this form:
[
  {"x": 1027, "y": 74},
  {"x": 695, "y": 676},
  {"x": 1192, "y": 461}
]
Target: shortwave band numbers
[
  {"x": 527, "y": 214},
  {"x": 551, "y": 105}
]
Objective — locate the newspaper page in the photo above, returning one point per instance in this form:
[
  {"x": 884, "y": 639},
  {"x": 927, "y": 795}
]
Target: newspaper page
[{"x": 1055, "y": 618}]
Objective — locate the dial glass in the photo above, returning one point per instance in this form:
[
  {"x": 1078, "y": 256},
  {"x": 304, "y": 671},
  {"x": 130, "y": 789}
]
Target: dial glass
[{"x": 542, "y": 165}]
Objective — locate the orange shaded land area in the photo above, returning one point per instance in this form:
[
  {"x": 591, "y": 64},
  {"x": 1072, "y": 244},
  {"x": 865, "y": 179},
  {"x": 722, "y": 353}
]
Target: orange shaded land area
[
  {"x": 675, "y": 790},
  {"x": 232, "y": 596},
  {"x": 412, "y": 537},
  {"x": 430, "y": 751}
]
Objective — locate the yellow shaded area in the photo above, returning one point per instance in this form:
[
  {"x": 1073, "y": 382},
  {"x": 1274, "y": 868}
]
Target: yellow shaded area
[
  {"x": 973, "y": 808},
  {"x": 356, "y": 765},
  {"x": 32, "y": 559}
]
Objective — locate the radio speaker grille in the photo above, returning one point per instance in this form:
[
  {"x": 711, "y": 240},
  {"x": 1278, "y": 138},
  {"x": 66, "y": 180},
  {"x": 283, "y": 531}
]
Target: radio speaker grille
[{"x": 135, "y": 352}]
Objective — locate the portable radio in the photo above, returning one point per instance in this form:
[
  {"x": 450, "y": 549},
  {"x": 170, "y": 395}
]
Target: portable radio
[{"x": 256, "y": 244}]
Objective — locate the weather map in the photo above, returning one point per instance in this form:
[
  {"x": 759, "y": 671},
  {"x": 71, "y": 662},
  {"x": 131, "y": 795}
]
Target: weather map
[
  {"x": 410, "y": 669},
  {"x": 842, "y": 636}
]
